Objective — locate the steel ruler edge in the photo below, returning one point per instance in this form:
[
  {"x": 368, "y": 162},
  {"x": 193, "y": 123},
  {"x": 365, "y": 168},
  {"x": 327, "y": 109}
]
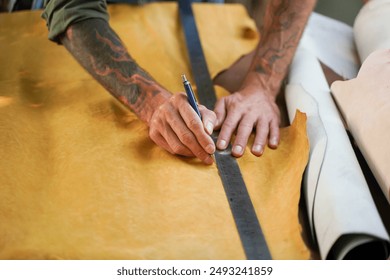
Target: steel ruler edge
[{"x": 244, "y": 214}]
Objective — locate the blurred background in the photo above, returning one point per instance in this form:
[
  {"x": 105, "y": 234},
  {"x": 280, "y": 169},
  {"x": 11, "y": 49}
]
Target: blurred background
[{"x": 344, "y": 10}]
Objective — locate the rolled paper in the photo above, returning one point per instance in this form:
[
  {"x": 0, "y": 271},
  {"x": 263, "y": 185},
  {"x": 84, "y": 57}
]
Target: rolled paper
[
  {"x": 343, "y": 216},
  {"x": 372, "y": 28}
]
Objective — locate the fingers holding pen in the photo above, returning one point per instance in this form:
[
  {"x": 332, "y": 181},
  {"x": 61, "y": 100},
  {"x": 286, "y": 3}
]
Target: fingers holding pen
[
  {"x": 177, "y": 128},
  {"x": 200, "y": 132},
  {"x": 167, "y": 140}
]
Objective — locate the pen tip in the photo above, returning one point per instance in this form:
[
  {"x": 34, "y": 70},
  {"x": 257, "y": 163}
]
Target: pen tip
[{"x": 183, "y": 77}]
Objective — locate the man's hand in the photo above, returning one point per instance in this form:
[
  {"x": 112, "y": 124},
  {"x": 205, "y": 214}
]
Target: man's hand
[
  {"x": 253, "y": 105},
  {"x": 173, "y": 124},
  {"x": 250, "y": 108},
  {"x": 177, "y": 128}
]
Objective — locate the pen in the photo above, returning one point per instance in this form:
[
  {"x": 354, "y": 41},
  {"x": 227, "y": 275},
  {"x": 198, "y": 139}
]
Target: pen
[
  {"x": 191, "y": 98},
  {"x": 190, "y": 95}
]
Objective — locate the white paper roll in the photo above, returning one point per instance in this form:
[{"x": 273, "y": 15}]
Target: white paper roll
[
  {"x": 342, "y": 212},
  {"x": 372, "y": 27}
]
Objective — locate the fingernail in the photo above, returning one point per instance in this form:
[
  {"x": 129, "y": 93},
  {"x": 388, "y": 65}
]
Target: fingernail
[
  {"x": 210, "y": 149},
  {"x": 258, "y": 149},
  {"x": 209, "y": 128},
  {"x": 237, "y": 150},
  {"x": 274, "y": 142},
  {"x": 222, "y": 144}
]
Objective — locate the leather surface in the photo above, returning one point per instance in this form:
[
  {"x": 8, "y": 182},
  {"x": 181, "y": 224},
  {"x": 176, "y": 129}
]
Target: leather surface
[
  {"x": 80, "y": 178},
  {"x": 365, "y": 105}
]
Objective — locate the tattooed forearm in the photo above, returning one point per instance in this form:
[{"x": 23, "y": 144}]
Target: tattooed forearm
[
  {"x": 100, "y": 51},
  {"x": 284, "y": 21}
]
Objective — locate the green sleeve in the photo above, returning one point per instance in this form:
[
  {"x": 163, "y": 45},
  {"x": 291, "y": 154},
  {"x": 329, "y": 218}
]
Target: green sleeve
[{"x": 59, "y": 14}]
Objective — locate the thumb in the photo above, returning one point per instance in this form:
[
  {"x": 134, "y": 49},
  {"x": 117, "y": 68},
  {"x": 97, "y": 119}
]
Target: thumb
[{"x": 209, "y": 119}]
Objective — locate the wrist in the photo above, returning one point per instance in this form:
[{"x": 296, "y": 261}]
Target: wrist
[
  {"x": 152, "y": 103},
  {"x": 149, "y": 99},
  {"x": 269, "y": 83}
]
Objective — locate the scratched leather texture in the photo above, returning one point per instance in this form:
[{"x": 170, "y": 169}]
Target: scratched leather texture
[
  {"x": 80, "y": 178},
  {"x": 365, "y": 105}
]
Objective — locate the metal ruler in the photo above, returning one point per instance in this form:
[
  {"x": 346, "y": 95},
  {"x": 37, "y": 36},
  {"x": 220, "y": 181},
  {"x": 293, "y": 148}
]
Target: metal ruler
[{"x": 248, "y": 226}]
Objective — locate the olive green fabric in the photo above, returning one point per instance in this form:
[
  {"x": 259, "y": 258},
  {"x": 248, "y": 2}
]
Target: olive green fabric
[{"x": 59, "y": 14}]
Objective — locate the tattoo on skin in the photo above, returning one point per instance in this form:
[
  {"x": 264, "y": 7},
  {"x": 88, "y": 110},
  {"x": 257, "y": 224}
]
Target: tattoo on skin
[
  {"x": 284, "y": 22},
  {"x": 100, "y": 51}
]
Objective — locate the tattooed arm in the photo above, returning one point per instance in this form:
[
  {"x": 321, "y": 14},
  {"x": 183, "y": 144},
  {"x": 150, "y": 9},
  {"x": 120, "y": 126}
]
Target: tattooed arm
[
  {"x": 172, "y": 122},
  {"x": 253, "y": 105}
]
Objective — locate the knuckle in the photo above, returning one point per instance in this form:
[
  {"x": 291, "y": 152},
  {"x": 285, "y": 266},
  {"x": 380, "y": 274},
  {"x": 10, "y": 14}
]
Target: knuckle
[
  {"x": 174, "y": 122},
  {"x": 265, "y": 120},
  {"x": 187, "y": 138},
  {"x": 233, "y": 106},
  {"x": 152, "y": 134},
  {"x": 229, "y": 124},
  {"x": 163, "y": 108},
  {"x": 178, "y": 149},
  {"x": 153, "y": 131},
  {"x": 175, "y": 99},
  {"x": 194, "y": 124},
  {"x": 247, "y": 125}
]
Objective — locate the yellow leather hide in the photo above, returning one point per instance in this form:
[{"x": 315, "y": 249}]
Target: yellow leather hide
[{"x": 79, "y": 176}]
